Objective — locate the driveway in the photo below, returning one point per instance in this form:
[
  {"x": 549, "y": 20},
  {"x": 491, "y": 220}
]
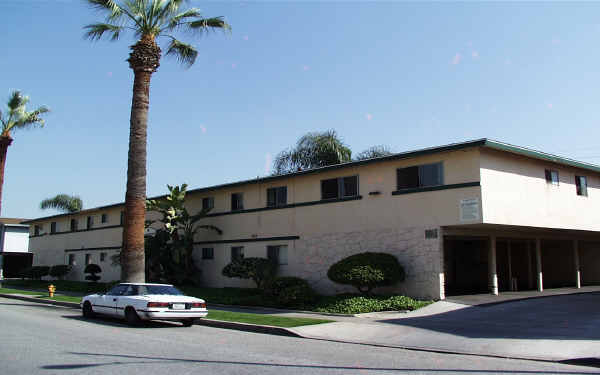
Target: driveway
[{"x": 563, "y": 327}]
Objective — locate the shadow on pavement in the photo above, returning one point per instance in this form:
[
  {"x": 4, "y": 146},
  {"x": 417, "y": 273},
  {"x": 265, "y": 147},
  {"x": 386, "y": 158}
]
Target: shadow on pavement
[
  {"x": 115, "y": 322},
  {"x": 279, "y": 365},
  {"x": 565, "y": 317}
]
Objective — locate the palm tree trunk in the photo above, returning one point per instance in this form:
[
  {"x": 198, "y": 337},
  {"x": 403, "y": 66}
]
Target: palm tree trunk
[
  {"x": 132, "y": 254},
  {"x": 5, "y": 141}
]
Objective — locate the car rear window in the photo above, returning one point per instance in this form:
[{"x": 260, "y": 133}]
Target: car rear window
[{"x": 159, "y": 289}]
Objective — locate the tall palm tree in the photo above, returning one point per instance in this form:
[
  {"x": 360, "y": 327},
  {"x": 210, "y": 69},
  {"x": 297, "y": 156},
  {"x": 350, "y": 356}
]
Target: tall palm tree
[
  {"x": 16, "y": 117},
  {"x": 312, "y": 150},
  {"x": 63, "y": 202},
  {"x": 149, "y": 20}
]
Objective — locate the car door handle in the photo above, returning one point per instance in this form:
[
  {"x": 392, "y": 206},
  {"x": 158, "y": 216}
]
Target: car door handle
[{"x": 114, "y": 299}]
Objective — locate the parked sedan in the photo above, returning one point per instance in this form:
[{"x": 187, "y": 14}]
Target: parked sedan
[{"x": 136, "y": 302}]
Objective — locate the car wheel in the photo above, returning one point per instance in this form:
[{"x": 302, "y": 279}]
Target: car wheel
[
  {"x": 132, "y": 317},
  {"x": 87, "y": 310},
  {"x": 188, "y": 322}
]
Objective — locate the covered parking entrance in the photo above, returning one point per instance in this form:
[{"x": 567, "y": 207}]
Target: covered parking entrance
[{"x": 495, "y": 259}]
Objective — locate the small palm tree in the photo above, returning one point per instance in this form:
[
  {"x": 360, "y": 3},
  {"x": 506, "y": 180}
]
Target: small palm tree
[
  {"x": 313, "y": 150},
  {"x": 149, "y": 20},
  {"x": 16, "y": 117},
  {"x": 63, "y": 202},
  {"x": 374, "y": 152}
]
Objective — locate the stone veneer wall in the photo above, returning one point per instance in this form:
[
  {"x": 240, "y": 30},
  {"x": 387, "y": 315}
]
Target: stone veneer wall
[{"x": 421, "y": 258}]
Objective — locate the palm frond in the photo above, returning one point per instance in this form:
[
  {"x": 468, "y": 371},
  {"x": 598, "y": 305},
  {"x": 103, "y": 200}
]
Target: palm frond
[
  {"x": 31, "y": 118},
  {"x": 96, "y": 31},
  {"x": 205, "y": 24},
  {"x": 17, "y": 100},
  {"x": 115, "y": 11},
  {"x": 185, "y": 53},
  {"x": 63, "y": 202},
  {"x": 176, "y": 20}
]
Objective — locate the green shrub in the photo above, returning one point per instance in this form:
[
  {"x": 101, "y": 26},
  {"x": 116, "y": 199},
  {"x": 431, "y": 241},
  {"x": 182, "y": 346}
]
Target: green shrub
[
  {"x": 357, "y": 304},
  {"x": 366, "y": 271},
  {"x": 60, "y": 270},
  {"x": 290, "y": 292},
  {"x": 35, "y": 272},
  {"x": 260, "y": 270},
  {"x": 92, "y": 269}
]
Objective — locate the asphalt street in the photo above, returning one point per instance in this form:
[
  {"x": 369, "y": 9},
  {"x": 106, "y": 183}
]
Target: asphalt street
[{"x": 41, "y": 339}]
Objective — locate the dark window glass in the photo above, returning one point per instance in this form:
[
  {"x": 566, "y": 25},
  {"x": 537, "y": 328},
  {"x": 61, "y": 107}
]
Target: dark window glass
[
  {"x": 159, "y": 289},
  {"x": 208, "y": 203},
  {"x": 117, "y": 290},
  {"x": 581, "y": 183},
  {"x": 73, "y": 225},
  {"x": 350, "y": 186},
  {"x": 420, "y": 176},
  {"x": 36, "y": 230},
  {"x": 277, "y": 196},
  {"x": 53, "y": 227},
  {"x": 104, "y": 218},
  {"x": 278, "y": 254},
  {"x": 102, "y": 257},
  {"x": 90, "y": 222},
  {"x": 551, "y": 176},
  {"x": 329, "y": 189},
  {"x": 71, "y": 259},
  {"x": 88, "y": 259},
  {"x": 208, "y": 253},
  {"x": 237, "y": 201},
  {"x": 237, "y": 253},
  {"x": 122, "y": 218}
]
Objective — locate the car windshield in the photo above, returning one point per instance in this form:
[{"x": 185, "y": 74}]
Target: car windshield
[{"x": 159, "y": 289}]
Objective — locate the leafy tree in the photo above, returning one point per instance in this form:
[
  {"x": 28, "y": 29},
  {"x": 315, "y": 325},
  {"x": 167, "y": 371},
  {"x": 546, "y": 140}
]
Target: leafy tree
[
  {"x": 374, "y": 152},
  {"x": 63, "y": 202},
  {"x": 366, "y": 271},
  {"x": 60, "y": 271},
  {"x": 16, "y": 117},
  {"x": 313, "y": 150},
  {"x": 260, "y": 270},
  {"x": 149, "y": 20},
  {"x": 92, "y": 269}
]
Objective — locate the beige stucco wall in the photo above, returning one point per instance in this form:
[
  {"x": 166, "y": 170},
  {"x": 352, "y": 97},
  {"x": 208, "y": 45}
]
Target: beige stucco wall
[{"x": 515, "y": 192}]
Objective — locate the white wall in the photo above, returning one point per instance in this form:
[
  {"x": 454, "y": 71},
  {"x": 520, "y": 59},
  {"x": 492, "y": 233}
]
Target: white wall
[{"x": 16, "y": 239}]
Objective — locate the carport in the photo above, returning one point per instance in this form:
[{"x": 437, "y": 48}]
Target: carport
[{"x": 498, "y": 258}]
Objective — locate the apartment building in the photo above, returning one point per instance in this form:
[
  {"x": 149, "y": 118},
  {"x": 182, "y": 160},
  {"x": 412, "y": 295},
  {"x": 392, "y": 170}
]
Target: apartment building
[{"x": 463, "y": 218}]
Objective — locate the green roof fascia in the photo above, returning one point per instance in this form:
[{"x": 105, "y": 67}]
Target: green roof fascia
[{"x": 496, "y": 145}]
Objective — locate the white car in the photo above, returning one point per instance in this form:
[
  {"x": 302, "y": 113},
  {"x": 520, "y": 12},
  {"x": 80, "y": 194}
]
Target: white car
[{"x": 136, "y": 302}]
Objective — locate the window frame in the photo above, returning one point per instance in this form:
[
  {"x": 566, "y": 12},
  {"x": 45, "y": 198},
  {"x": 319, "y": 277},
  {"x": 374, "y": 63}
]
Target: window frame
[
  {"x": 104, "y": 218},
  {"x": 274, "y": 254},
  {"x": 581, "y": 191},
  {"x": 208, "y": 253},
  {"x": 278, "y": 193},
  {"x": 71, "y": 260},
  {"x": 420, "y": 183},
  {"x": 210, "y": 205},
  {"x": 549, "y": 174},
  {"x": 88, "y": 259},
  {"x": 36, "y": 230},
  {"x": 102, "y": 257},
  {"x": 239, "y": 201},
  {"x": 53, "y": 227},
  {"x": 89, "y": 223},
  {"x": 239, "y": 255},
  {"x": 341, "y": 187},
  {"x": 122, "y": 218},
  {"x": 74, "y": 225}
]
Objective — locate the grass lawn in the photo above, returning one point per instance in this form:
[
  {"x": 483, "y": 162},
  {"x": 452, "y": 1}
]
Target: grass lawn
[
  {"x": 16, "y": 291},
  {"x": 269, "y": 320}
]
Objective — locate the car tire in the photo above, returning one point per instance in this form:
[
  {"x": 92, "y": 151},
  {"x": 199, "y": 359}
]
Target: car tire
[
  {"x": 87, "y": 310},
  {"x": 188, "y": 322},
  {"x": 132, "y": 317}
]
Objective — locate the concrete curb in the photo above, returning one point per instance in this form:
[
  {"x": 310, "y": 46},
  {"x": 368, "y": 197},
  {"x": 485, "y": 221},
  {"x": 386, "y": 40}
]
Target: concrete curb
[
  {"x": 282, "y": 310},
  {"x": 72, "y": 305}
]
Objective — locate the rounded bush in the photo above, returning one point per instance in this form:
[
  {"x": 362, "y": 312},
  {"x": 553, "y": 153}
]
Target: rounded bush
[
  {"x": 366, "y": 271},
  {"x": 260, "y": 270},
  {"x": 35, "y": 272},
  {"x": 288, "y": 291},
  {"x": 92, "y": 269},
  {"x": 60, "y": 270}
]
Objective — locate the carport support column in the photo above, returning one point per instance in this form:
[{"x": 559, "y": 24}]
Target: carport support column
[
  {"x": 538, "y": 263},
  {"x": 493, "y": 273},
  {"x": 576, "y": 262}
]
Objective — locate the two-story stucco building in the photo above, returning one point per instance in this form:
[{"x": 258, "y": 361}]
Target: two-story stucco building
[{"x": 462, "y": 218}]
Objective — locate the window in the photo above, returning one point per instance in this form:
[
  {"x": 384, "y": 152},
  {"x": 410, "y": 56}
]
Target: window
[
  {"x": 551, "y": 177},
  {"x": 278, "y": 254},
  {"x": 90, "y": 222},
  {"x": 420, "y": 176},
  {"x": 88, "y": 259},
  {"x": 102, "y": 257},
  {"x": 341, "y": 187},
  {"x": 581, "y": 183},
  {"x": 72, "y": 259},
  {"x": 104, "y": 218},
  {"x": 53, "y": 227},
  {"x": 208, "y": 203},
  {"x": 36, "y": 230},
  {"x": 117, "y": 290},
  {"x": 237, "y": 253},
  {"x": 277, "y": 196},
  {"x": 208, "y": 253},
  {"x": 73, "y": 225},
  {"x": 237, "y": 201},
  {"x": 122, "y": 218}
]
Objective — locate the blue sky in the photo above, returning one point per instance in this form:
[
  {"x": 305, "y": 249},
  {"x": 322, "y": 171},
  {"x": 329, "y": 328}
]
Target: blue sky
[{"x": 406, "y": 75}]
